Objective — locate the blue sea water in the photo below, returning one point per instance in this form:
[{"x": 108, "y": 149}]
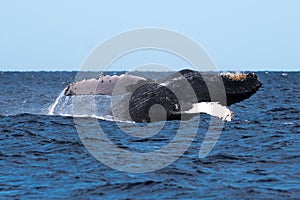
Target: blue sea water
[{"x": 42, "y": 156}]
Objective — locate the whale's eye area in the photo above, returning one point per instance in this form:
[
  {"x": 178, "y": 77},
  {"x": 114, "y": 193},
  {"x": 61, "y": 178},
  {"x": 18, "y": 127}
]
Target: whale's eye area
[
  {"x": 153, "y": 102},
  {"x": 157, "y": 113}
]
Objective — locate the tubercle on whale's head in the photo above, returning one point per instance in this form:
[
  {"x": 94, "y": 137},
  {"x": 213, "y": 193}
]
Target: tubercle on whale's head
[
  {"x": 239, "y": 76},
  {"x": 235, "y": 76}
]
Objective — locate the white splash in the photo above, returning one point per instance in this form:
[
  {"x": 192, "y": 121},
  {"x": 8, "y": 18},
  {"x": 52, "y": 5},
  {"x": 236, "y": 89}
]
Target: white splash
[
  {"x": 52, "y": 107},
  {"x": 95, "y": 106}
]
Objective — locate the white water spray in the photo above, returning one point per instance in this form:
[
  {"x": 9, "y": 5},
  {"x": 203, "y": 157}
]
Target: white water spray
[
  {"x": 52, "y": 107},
  {"x": 98, "y": 106}
]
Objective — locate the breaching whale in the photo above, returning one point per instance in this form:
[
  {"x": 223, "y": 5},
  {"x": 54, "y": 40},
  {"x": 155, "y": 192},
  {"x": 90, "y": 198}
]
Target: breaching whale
[{"x": 179, "y": 96}]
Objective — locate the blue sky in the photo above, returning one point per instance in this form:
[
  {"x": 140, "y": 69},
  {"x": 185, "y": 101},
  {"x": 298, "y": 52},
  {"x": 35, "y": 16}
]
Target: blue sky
[{"x": 238, "y": 35}]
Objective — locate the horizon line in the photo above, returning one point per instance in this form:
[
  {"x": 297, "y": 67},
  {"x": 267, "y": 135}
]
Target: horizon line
[{"x": 147, "y": 71}]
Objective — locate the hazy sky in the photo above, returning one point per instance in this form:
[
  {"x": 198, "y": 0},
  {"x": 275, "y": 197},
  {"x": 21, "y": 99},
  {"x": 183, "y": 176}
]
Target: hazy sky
[{"x": 237, "y": 34}]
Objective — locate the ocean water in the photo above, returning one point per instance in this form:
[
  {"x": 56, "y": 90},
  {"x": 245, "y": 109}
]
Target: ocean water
[{"x": 42, "y": 156}]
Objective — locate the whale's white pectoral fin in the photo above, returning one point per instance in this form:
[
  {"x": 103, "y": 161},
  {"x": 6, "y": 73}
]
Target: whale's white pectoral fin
[{"x": 211, "y": 108}]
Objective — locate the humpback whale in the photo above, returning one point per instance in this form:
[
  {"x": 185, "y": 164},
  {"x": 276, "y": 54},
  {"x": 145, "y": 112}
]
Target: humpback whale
[{"x": 181, "y": 95}]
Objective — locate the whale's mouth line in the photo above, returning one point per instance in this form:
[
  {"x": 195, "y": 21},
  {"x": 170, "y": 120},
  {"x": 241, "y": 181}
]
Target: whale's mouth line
[{"x": 141, "y": 93}]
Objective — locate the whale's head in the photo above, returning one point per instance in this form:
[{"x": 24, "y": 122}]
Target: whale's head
[
  {"x": 225, "y": 88},
  {"x": 240, "y": 86}
]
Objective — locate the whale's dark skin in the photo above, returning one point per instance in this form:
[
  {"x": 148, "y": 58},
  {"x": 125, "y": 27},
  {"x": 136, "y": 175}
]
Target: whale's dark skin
[
  {"x": 235, "y": 91},
  {"x": 142, "y": 96},
  {"x": 150, "y": 94},
  {"x": 154, "y": 93}
]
